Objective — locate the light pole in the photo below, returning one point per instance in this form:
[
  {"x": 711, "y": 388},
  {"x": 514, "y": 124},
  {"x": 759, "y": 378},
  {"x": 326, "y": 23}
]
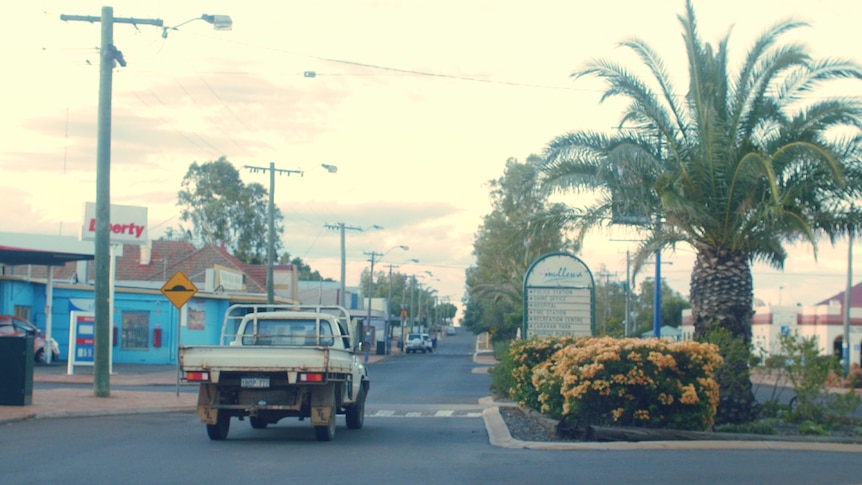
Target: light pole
[
  {"x": 845, "y": 345},
  {"x": 371, "y": 294},
  {"x": 419, "y": 308},
  {"x": 108, "y": 55},
  {"x": 656, "y": 318},
  {"x": 389, "y": 306}
]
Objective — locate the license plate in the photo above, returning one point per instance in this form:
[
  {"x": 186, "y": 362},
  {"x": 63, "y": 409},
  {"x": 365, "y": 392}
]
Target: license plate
[{"x": 255, "y": 382}]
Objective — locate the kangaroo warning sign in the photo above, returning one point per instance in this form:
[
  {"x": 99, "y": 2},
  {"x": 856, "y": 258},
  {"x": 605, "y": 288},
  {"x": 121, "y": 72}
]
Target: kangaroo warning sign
[
  {"x": 559, "y": 297},
  {"x": 179, "y": 289}
]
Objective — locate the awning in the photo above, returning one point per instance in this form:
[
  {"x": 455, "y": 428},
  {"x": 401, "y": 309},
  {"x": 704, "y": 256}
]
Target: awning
[{"x": 42, "y": 250}]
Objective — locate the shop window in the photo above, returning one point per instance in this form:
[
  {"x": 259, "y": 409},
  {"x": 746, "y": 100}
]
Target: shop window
[{"x": 136, "y": 326}]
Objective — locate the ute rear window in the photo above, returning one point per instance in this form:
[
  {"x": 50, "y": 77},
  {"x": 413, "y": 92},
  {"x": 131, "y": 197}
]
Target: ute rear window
[{"x": 288, "y": 332}]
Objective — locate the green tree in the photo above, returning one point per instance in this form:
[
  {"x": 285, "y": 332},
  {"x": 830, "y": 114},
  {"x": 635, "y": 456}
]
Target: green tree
[
  {"x": 521, "y": 227},
  {"x": 446, "y": 311},
  {"x": 222, "y": 210},
  {"x": 745, "y": 162}
]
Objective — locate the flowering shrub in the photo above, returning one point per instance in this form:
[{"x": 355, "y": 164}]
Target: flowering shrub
[
  {"x": 523, "y": 356},
  {"x": 629, "y": 382}
]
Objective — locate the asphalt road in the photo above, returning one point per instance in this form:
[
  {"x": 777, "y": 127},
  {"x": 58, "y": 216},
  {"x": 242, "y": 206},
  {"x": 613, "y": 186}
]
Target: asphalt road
[{"x": 423, "y": 426}]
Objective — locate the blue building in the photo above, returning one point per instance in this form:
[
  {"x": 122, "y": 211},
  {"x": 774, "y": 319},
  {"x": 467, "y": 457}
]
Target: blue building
[{"x": 147, "y": 328}]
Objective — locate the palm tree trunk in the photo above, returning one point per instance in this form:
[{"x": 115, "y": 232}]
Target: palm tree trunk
[{"x": 722, "y": 306}]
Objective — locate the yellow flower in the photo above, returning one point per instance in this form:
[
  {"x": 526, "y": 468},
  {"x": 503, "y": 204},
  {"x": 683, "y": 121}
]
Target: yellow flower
[
  {"x": 665, "y": 399},
  {"x": 689, "y": 395}
]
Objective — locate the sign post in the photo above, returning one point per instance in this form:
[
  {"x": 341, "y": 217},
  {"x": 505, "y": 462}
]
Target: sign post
[
  {"x": 559, "y": 297},
  {"x": 179, "y": 289},
  {"x": 82, "y": 340}
]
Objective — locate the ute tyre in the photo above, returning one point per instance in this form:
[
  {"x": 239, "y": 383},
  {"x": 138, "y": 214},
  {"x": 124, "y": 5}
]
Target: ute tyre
[
  {"x": 258, "y": 423},
  {"x": 355, "y": 415},
  {"x": 219, "y": 431},
  {"x": 327, "y": 431}
]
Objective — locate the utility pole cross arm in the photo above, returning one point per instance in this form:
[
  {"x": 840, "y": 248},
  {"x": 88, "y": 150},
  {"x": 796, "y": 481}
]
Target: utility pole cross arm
[{"x": 117, "y": 20}]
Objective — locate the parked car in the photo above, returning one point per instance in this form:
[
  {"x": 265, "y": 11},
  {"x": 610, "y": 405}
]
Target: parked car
[
  {"x": 12, "y": 326},
  {"x": 450, "y": 330},
  {"x": 417, "y": 342}
]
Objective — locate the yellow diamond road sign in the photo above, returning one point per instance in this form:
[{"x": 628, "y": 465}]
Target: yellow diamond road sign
[{"x": 179, "y": 289}]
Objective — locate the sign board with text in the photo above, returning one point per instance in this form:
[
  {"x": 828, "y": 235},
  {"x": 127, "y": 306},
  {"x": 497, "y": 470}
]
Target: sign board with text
[
  {"x": 559, "y": 297},
  {"x": 82, "y": 340},
  {"x": 128, "y": 224}
]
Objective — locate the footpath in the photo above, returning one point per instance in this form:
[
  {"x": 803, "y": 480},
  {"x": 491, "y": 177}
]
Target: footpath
[{"x": 79, "y": 400}]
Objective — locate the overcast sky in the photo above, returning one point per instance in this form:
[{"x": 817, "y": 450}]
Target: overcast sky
[{"x": 417, "y": 103}]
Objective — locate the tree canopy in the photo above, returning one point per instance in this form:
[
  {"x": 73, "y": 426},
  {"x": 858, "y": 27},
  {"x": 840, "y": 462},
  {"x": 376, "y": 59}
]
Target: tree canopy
[
  {"x": 521, "y": 227},
  {"x": 222, "y": 210},
  {"x": 746, "y": 161}
]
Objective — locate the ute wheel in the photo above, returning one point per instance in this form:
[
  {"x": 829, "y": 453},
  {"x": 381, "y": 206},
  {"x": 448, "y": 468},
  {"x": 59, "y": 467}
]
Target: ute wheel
[
  {"x": 219, "y": 431},
  {"x": 258, "y": 423},
  {"x": 356, "y": 414},
  {"x": 327, "y": 431},
  {"x": 39, "y": 357}
]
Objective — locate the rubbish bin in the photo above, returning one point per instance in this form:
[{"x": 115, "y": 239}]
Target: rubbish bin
[
  {"x": 381, "y": 347},
  {"x": 16, "y": 371}
]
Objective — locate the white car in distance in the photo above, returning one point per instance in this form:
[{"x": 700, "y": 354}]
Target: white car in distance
[{"x": 419, "y": 342}]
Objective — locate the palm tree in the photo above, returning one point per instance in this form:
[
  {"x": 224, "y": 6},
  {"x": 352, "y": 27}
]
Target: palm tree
[{"x": 746, "y": 162}]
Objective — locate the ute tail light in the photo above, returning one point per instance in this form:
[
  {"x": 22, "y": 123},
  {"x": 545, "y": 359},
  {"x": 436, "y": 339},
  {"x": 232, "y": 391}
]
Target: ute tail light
[
  {"x": 311, "y": 377},
  {"x": 197, "y": 376}
]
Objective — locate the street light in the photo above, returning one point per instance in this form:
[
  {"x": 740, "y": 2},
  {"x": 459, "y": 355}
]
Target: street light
[
  {"x": 108, "y": 55},
  {"x": 371, "y": 293},
  {"x": 219, "y": 22}
]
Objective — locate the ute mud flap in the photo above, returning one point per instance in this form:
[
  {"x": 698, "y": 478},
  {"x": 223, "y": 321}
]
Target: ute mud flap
[
  {"x": 322, "y": 404},
  {"x": 207, "y": 395}
]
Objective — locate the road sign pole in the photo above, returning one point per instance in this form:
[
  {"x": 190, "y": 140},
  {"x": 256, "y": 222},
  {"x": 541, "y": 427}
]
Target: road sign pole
[
  {"x": 179, "y": 289},
  {"x": 179, "y": 329}
]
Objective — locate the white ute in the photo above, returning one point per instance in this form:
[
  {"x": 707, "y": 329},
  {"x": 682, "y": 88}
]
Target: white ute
[{"x": 278, "y": 361}]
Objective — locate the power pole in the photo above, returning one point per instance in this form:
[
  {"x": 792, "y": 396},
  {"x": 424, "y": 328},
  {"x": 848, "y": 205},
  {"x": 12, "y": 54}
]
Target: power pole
[
  {"x": 370, "y": 294},
  {"x": 342, "y": 227},
  {"x": 270, "y": 249},
  {"x": 108, "y": 55},
  {"x": 607, "y": 276},
  {"x": 389, "y": 309}
]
